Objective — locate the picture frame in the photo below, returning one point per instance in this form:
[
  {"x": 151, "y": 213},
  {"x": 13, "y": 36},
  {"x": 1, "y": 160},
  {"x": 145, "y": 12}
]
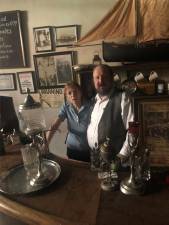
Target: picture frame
[
  {"x": 26, "y": 80},
  {"x": 12, "y": 40},
  {"x": 153, "y": 114},
  {"x": 43, "y": 37},
  {"x": 7, "y": 82},
  {"x": 66, "y": 35},
  {"x": 54, "y": 69}
]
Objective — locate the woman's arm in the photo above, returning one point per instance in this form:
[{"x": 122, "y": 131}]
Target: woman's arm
[{"x": 53, "y": 129}]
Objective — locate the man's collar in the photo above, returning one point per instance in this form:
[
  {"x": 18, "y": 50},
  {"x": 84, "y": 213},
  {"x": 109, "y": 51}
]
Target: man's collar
[{"x": 101, "y": 98}]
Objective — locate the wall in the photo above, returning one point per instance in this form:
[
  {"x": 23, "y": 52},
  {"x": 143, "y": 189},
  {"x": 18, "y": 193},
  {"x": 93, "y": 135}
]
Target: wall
[
  {"x": 38, "y": 13},
  {"x": 56, "y": 13}
]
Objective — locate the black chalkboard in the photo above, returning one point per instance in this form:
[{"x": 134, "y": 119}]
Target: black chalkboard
[{"x": 11, "y": 42}]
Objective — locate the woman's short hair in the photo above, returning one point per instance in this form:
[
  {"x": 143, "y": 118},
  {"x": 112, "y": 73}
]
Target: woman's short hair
[{"x": 72, "y": 84}]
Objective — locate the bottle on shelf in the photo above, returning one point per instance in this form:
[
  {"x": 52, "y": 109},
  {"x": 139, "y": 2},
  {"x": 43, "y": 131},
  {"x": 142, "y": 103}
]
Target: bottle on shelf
[
  {"x": 160, "y": 86},
  {"x": 159, "y": 83},
  {"x": 96, "y": 59}
]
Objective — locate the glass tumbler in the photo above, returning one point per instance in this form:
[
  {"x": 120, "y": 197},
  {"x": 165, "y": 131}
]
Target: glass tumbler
[{"x": 30, "y": 156}]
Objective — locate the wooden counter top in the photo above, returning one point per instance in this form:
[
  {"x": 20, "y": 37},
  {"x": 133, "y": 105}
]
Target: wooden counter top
[
  {"x": 76, "y": 199},
  {"x": 72, "y": 199}
]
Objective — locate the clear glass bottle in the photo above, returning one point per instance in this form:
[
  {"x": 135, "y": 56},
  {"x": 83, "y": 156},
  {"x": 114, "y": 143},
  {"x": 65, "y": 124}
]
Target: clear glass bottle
[
  {"x": 31, "y": 116},
  {"x": 146, "y": 172}
]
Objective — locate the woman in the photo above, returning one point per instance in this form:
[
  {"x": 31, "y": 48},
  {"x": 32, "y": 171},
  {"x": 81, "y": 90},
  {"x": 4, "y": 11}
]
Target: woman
[{"x": 76, "y": 110}]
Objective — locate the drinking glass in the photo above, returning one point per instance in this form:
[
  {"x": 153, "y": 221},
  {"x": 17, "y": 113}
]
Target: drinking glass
[{"x": 31, "y": 160}]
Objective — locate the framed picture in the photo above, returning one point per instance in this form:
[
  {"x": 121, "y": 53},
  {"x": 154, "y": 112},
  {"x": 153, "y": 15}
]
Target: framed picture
[
  {"x": 12, "y": 42},
  {"x": 7, "y": 82},
  {"x": 43, "y": 37},
  {"x": 153, "y": 114},
  {"x": 54, "y": 69},
  {"x": 66, "y": 35},
  {"x": 26, "y": 80}
]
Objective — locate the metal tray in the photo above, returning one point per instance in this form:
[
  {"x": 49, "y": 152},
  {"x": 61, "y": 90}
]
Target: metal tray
[{"x": 14, "y": 182}]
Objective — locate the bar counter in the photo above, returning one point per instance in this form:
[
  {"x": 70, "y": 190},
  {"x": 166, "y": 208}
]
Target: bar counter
[{"x": 77, "y": 199}]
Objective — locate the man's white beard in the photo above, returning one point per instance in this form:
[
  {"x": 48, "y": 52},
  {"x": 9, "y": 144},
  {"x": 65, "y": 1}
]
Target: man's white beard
[{"x": 103, "y": 92}]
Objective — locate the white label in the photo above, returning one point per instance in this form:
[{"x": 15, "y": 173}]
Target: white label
[{"x": 160, "y": 88}]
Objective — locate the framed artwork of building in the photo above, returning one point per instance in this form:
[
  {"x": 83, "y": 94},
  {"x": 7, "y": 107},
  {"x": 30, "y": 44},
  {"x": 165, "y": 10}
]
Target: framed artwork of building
[{"x": 66, "y": 35}]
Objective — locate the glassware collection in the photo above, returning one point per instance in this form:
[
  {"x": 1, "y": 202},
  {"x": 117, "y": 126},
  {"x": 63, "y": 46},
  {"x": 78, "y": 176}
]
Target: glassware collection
[{"x": 32, "y": 125}]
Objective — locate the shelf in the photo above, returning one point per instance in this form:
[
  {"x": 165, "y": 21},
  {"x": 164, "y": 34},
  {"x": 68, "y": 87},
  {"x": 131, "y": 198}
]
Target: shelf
[
  {"x": 126, "y": 66},
  {"x": 142, "y": 65},
  {"x": 143, "y": 96}
]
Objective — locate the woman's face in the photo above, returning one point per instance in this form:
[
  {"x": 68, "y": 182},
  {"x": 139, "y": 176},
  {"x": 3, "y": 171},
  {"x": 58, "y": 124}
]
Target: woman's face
[{"x": 73, "y": 95}]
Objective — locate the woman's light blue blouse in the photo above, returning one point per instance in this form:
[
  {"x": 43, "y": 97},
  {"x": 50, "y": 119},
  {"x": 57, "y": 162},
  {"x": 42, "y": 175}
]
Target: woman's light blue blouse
[{"x": 77, "y": 122}]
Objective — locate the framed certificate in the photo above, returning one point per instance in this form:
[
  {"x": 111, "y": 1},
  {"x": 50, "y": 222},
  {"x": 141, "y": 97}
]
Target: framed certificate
[
  {"x": 26, "y": 80},
  {"x": 7, "y": 82}
]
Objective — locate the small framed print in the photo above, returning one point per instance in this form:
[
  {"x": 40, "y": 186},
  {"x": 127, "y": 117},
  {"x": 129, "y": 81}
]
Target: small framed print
[
  {"x": 26, "y": 80},
  {"x": 43, "y": 37},
  {"x": 66, "y": 35},
  {"x": 7, "y": 82},
  {"x": 54, "y": 69}
]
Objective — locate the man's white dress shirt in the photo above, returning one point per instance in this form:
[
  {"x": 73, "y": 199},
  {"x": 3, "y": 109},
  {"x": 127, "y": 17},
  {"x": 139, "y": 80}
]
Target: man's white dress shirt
[{"x": 126, "y": 113}]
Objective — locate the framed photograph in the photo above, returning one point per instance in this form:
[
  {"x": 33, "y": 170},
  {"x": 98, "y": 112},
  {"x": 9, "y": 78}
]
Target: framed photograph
[
  {"x": 7, "y": 82},
  {"x": 66, "y": 35},
  {"x": 54, "y": 69},
  {"x": 153, "y": 114},
  {"x": 43, "y": 37},
  {"x": 26, "y": 80}
]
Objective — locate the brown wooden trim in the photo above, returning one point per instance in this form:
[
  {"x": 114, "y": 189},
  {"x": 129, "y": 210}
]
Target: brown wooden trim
[{"x": 30, "y": 215}]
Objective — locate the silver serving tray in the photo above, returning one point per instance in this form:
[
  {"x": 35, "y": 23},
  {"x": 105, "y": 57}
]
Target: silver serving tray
[{"x": 14, "y": 182}]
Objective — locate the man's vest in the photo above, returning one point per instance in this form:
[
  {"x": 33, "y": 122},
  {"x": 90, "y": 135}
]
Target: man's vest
[{"x": 111, "y": 124}]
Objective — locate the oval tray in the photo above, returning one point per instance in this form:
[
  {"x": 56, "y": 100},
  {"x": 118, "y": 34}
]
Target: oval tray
[{"x": 14, "y": 181}]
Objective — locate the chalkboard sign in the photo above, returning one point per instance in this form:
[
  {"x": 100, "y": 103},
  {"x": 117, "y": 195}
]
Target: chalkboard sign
[{"x": 11, "y": 42}]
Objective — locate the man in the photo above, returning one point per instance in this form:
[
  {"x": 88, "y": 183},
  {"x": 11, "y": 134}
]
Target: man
[{"x": 110, "y": 115}]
